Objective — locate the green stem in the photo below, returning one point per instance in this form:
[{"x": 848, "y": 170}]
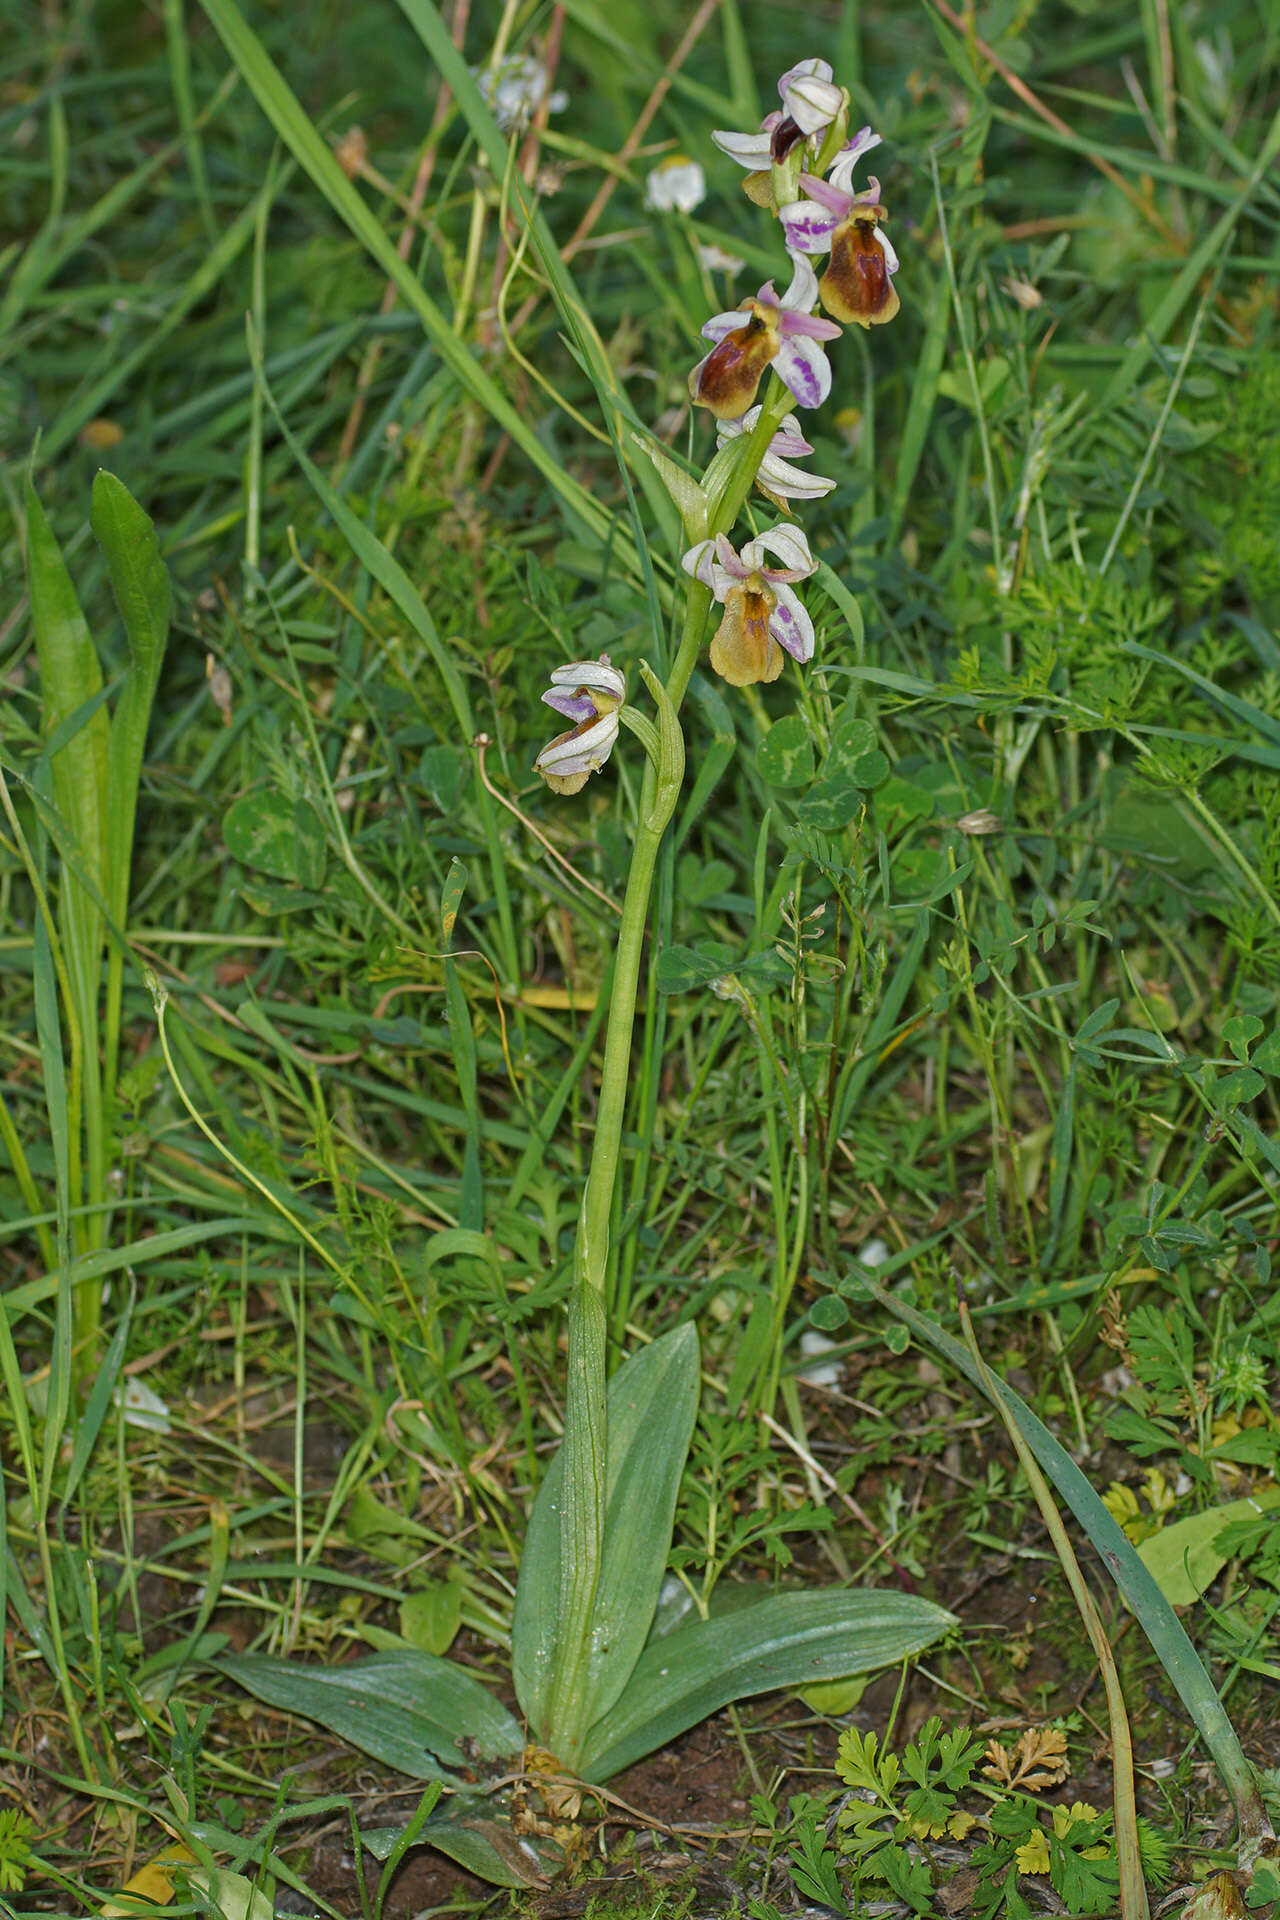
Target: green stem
[
  {"x": 585, "y": 1439},
  {"x": 582, "y": 1521}
]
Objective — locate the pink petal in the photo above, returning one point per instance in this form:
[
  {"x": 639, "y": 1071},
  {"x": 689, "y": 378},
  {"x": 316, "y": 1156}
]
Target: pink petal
[
  {"x": 807, "y": 326},
  {"x": 574, "y": 706},
  {"x": 825, "y": 194},
  {"x": 728, "y": 559}
]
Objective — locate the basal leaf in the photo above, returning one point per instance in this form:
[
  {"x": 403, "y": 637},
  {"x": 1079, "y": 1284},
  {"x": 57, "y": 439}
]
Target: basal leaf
[
  {"x": 408, "y": 1709},
  {"x": 653, "y": 1398},
  {"x": 787, "y": 1640}
]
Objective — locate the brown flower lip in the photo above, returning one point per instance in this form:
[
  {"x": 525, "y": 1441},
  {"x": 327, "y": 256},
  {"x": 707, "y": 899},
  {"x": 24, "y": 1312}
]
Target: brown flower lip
[
  {"x": 728, "y": 379},
  {"x": 857, "y": 287}
]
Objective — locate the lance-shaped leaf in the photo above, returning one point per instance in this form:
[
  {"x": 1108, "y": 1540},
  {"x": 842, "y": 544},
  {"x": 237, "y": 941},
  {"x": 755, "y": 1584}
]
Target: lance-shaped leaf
[
  {"x": 787, "y": 1640},
  {"x": 653, "y": 1398},
  {"x": 408, "y": 1709}
]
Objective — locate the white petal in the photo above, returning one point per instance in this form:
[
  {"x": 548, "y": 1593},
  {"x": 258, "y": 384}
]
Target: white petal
[
  {"x": 701, "y": 562},
  {"x": 580, "y": 753},
  {"x": 791, "y": 483},
  {"x": 813, "y": 103},
  {"x": 890, "y": 257},
  {"x": 748, "y": 149},
  {"x": 721, "y": 323},
  {"x": 791, "y": 626},
  {"x": 808, "y": 228},
  {"x": 803, "y": 70},
  {"x": 598, "y": 676},
  {"x": 677, "y": 186},
  {"x": 717, "y": 259},
  {"x": 840, "y": 172},
  {"x": 802, "y": 366},
  {"x": 789, "y": 546},
  {"x": 802, "y": 295}
]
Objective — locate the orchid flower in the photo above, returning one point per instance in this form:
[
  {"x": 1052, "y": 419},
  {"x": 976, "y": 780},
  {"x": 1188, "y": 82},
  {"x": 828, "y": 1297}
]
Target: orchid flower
[
  {"x": 857, "y": 285},
  {"x": 676, "y": 185},
  {"x": 762, "y": 615},
  {"x": 776, "y": 478},
  {"x": 589, "y": 692},
  {"x": 783, "y": 333},
  {"x": 810, "y": 102}
]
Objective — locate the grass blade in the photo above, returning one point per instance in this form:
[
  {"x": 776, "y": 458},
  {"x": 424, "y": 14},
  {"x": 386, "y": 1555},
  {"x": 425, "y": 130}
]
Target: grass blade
[{"x": 1157, "y": 1618}]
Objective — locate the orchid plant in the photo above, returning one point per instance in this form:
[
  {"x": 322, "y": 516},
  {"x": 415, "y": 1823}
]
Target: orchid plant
[{"x": 602, "y": 1674}]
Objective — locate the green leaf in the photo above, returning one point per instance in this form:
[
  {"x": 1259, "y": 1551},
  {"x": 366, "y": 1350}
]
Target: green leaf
[
  {"x": 71, "y": 680},
  {"x": 652, "y": 1402},
  {"x": 230, "y": 1895},
  {"x": 785, "y": 755},
  {"x": 909, "y": 1879},
  {"x": 787, "y": 1640},
  {"x": 430, "y": 1618},
  {"x": 260, "y": 830},
  {"x": 468, "y": 1833},
  {"x": 680, "y": 968},
  {"x": 1240, "y": 1031},
  {"x": 408, "y": 1709},
  {"x": 870, "y": 769},
  {"x": 1184, "y": 1558},
  {"x": 140, "y": 582},
  {"x": 1266, "y": 1055},
  {"x": 849, "y": 742},
  {"x": 1234, "y": 1088},
  {"x": 832, "y": 804}
]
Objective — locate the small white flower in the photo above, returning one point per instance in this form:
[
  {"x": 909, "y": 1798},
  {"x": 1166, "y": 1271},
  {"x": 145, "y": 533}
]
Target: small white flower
[
  {"x": 676, "y": 185},
  {"x": 819, "y": 1372},
  {"x": 717, "y": 260},
  {"x": 516, "y": 88}
]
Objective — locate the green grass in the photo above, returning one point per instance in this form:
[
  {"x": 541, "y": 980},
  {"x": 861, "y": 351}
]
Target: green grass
[{"x": 328, "y": 1223}]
